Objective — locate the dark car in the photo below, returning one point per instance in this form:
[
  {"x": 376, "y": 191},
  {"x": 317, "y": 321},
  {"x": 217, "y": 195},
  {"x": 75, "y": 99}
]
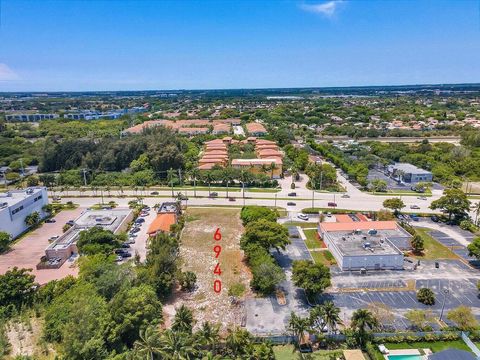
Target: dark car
[
  {"x": 332, "y": 204},
  {"x": 154, "y": 193},
  {"x": 231, "y": 199},
  {"x": 120, "y": 251},
  {"x": 292, "y": 194},
  {"x": 213, "y": 194},
  {"x": 126, "y": 254},
  {"x": 140, "y": 220},
  {"x": 70, "y": 222},
  {"x": 50, "y": 221},
  {"x": 434, "y": 218},
  {"x": 291, "y": 203},
  {"x": 135, "y": 230},
  {"x": 125, "y": 246}
]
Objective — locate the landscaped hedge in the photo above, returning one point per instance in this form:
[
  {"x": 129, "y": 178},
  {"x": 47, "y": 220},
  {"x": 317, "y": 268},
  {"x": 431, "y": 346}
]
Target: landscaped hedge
[{"x": 412, "y": 338}]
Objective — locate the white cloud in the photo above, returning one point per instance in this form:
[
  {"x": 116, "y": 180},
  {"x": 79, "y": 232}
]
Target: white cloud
[
  {"x": 7, "y": 74},
  {"x": 327, "y": 9}
]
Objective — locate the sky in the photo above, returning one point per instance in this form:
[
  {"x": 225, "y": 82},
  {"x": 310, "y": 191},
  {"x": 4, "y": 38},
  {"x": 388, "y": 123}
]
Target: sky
[{"x": 74, "y": 45}]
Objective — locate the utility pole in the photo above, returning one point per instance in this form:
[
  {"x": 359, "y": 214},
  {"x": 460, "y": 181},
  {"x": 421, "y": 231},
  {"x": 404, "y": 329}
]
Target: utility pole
[
  {"x": 180, "y": 176},
  {"x": 313, "y": 193},
  {"x": 21, "y": 166},
  {"x": 275, "y": 206},
  {"x": 445, "y": 293}
]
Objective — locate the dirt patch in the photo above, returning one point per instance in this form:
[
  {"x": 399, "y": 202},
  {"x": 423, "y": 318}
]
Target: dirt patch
[
  {"x": 24, "y": 336},
  {"x": 196, "y": 250}
]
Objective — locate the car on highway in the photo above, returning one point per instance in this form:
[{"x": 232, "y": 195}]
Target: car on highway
[
  {"x": 292, "y": 194},
  {"x": 414, "y": 206},
  {"x": 154, "y": 193},
  {"x": 231, "y": 199},
  {"x": 332, "y": 204},
  {"x": 213, "y": 194},
  {"x": 291, "y": 203},
  {"x": 346, "y": 196},
  {"x": 422, "y": 197},
  {"x": 414, "y": 217},
  {"x": 303, "y": 217}
]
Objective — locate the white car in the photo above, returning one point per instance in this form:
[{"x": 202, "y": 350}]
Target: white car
[{"x": 303, "y": 217}]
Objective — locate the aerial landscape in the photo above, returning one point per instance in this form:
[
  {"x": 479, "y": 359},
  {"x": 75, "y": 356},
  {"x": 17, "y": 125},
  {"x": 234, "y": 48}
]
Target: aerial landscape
[{"x": 239, "y": 180}]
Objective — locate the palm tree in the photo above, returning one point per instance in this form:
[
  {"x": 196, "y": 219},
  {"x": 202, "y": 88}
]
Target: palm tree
[
  {"x": 183, "y": 320},
  {"x": 177, "y": 346},
  {"x": 298, "y": 326},
  {"x": 148, "y": 344},
  {"x": 362, "y": 321},
  {"x": 194, "y": 173},
  {"x": 209, "y": 178},
  {"x": 264, "y": 351},
  {"x": 208, "y": 335},
  {"x": 238, "y": 342},
  {"x": 331, "y": 315},
  {"x": 476, "y": 209},
  {"x": 171, "y": 175},
  {"x": 272, "y": 168},
  {"x": 227, "y": 177}
]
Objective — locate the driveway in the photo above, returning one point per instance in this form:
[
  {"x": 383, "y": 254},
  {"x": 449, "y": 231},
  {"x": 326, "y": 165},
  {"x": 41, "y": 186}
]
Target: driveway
[
  {"x": 265, "y": 315},
  {"x": 26, "y": 253},
  {"x": 140, "y": 245}
]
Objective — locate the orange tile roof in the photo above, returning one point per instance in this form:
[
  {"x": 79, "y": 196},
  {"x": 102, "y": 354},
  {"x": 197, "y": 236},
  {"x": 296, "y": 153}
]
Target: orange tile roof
[
  {"x": 162, "y": 223},
  {"x": 255, "y": 127},
  {"x": 360, "y": 225},
  {"x": 207, "y": 166}
]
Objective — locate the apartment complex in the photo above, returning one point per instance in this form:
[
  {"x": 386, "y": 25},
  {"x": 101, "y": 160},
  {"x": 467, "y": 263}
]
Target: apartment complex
[
  {"x": 187, "y": 127},
  {"x": 16, "y": 205},
  {"x": 268, "y": 156},
  {"x": 256, "y": 129}
]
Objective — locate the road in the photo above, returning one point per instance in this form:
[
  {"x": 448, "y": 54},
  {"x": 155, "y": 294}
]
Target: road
[{"x": 304, "y": 198}]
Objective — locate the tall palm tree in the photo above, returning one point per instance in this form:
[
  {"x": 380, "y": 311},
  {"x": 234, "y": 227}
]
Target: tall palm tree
[
  {"x": 331, "y": 315},
  {"x": 272, "y": 168},
  {"x": 363, "y": 321},
  {"x": 209, "y": 178},
  {"x": 227, "y": 177},
  {"x": 298, "y": 326},
  {"x": 148, "y": 344},
  {"x": 171, "y": 175},
  {"x": 476, "y": 209},
  {"x": 183, "y": 320},
  {"x": 238, "y": 342},
  {"x": 195, "y": 173},
  {"x": 177, "y": 346}
]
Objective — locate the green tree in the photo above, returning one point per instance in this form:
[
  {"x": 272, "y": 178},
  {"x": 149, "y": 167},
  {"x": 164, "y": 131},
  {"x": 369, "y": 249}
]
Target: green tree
[
  {"x": 253, "y": 213},
  {"x": 420, "y": 319},
  {"x": 134, "y": 309},
  {"x": 313, "y": 278},
  {"x": 454, "y": 202},
  {"x": 327, "y": 315},
  {"x": 463, "y": 317},
  {"x": 32, "y": 219},
  {"x": 298, "y": 327},
  {"x": 362, "y": 323},
  {"x": 187, "y": 280},
  {"x": 148, "y": 345},
  {"x": 474, "y": 248},
  {"x": 177, "y": 346},
  {"x": 426, "y": 296},
  {"x": 171, "y": 177},
  {"x": 208, "y": 335},
  {"x": 97, "y": 240},
  {"x": 5, "y": 240},
  {"x": 238, "y": 342},
  {"x": 17, "y": 288},
  {"x": 417, "y": 244},
  {"x": 183, "y": 320},
  {"x": 378, "y": 185},
  {"x": 395, "y": 204},
  {"x": 265, "y": 233}
]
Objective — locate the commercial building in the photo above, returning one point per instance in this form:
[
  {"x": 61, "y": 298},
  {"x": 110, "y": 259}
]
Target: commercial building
[
  {"x": 409, "y": 173},
  {"x": 369, "y": 245},
  {"x": 16, "y": 205},
  {"x": 29, "y": 117},
  {"x": 115, "y": 220},
  {"x": 167, "y": 216}
]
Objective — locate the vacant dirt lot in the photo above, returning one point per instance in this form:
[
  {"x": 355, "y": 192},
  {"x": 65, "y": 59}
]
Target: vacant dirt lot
[{"x": 197, "y": 254}]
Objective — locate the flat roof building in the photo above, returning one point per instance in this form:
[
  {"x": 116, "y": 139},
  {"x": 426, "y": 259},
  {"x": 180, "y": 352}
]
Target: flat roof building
[
  {"x": 30, "y": 117},
  {"x": 16, "y": 205},
  {"x": 115, "y": 220},
  {"x": 369, "y": 245},
  {"x": 409, "y": 173}
]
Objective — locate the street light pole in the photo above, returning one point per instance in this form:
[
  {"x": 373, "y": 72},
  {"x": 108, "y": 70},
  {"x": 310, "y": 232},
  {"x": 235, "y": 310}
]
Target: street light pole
[{"x": 445, "y": 293}]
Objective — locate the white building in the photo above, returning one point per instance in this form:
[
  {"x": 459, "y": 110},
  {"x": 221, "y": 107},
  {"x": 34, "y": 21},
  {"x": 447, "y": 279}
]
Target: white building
[
  {"x": 369, "y": 245},
  {"x": 16, "y": 205}
]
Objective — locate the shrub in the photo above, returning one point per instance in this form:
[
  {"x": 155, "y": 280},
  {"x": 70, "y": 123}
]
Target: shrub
[{"x": 426, "y": 296}]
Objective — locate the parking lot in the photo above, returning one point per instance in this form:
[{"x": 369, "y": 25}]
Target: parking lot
[
  {"x": 265, "y": 315},
  {"x": 26, "y": 253},
  {"x": 453, "y": 275},
  {"x": 140, "y": 245}
]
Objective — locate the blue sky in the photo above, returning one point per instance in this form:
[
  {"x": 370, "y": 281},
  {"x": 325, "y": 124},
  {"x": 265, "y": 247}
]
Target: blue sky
[{"x": 115, "y": 45}]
